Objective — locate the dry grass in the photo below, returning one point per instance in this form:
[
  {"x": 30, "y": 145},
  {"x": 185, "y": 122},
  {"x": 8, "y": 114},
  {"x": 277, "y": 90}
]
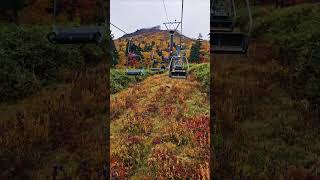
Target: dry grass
[
  {"x": 261, "y": 131},
  {"x": 160, "y": 129},
  {"x": 61, "y": 126}
]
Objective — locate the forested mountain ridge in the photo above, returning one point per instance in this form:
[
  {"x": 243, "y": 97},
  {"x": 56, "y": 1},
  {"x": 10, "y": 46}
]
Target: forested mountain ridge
[{"x": 153, "y": 44}]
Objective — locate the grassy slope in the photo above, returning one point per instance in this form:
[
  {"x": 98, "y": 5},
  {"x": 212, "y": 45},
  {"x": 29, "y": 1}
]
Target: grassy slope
[
  {"x": 261, "y": 130},
  {"x": 159, "y": 129},
  {"x": 57, "y": 109},
  {"x": 120, "y": 80},
  {"x": 57, "y": 126},
  {"x": 294, "y": 33}
]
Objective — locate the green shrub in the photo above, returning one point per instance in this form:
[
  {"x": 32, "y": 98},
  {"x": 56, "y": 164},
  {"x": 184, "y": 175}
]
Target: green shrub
[
  {"x": 295, "y": 36},
  {"x": 28, "y": 61},
  {"x": 202, "y": 73},
  {"x": 15, "y": 81},
  {"x": 120, "y": 80},
  {"x": 242, "y": 19}
]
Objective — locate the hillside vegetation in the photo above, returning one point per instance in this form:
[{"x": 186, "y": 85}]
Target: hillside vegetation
[
  {"x": 266, "y": 104},
  {"x": 160, "y": 130},
  {"x": 53, "y": 97},
  {"x": 159, "y": 125},
  {"x": 49, "y": 96},
  {"x": 29, "y": 62},
  {"x": 120, "y": 80},
  {"x": 294, "y": 34},
  {"x": 202, "y": 74},
  {"x": 62, "y": 127},
  {"x": 153, "y": 45}
]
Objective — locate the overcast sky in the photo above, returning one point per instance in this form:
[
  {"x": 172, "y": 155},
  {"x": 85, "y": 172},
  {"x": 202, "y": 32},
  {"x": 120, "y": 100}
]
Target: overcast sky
[{"x": 131, "y": 15}]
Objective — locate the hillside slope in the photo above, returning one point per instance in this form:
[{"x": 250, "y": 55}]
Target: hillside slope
[
  {"x": 160, "y": 130},
  {"x": 154, "y": 45},
  {"x": 64, "y": 125},
  {"x": 266, "y": 124}
]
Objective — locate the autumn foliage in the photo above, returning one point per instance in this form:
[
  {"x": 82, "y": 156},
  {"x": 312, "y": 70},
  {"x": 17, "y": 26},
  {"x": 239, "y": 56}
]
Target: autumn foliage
[
  {"x": 160, "y": 129},
  {"x": 154, "y": 48},
  {"x": 62, "y": 126}
]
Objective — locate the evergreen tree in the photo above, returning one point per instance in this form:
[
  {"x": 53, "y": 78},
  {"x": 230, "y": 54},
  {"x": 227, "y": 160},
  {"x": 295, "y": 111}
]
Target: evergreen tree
[
  {"x": 159, "y": 52},
  {"x": 114, "y": 52},
  {"x": 134, "y": 49},
  {"x": 148, "y": 47},
  {"x": 195, "y": 52}
]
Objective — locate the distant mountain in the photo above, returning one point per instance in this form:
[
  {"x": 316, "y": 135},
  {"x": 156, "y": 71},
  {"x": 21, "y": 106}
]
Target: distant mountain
[
  {"x": 153, "y": 43},
  {"x": 142, "y": 31},
  {"x": 150, "y": 31}
]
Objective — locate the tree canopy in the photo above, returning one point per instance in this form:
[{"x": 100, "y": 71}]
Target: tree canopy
[{"x": 195, "y": 52}]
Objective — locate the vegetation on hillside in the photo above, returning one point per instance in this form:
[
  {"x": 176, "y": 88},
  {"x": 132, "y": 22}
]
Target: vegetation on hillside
[
  {"x": 28, "y": 61},
  {"x": 159, "y": 125},
  {"x": 153, "y": 48},
  {"x": 195, "y": 52},
  {"x": 267, "y": 125},
  {"x": 59, "y": 127},
  {"x": 41, "y": 12},
  {"x": 65, "y": 90},
  {"x": 53, "y": 97},
  {"x": 295, "y": 36},
  {"x": 261, "y": 131},
  {"x": 119, "y": 80},
  {"x": 202, "y": 73},
  {"x": 160, "y": 130}
]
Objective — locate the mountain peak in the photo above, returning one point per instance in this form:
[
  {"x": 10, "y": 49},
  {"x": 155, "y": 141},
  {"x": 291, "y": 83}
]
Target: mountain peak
[
  {"x": 142, "y": 31},
  {"x": 148, "y": 31}
]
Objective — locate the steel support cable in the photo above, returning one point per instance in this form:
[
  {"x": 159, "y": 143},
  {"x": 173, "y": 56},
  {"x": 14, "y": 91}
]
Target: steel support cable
[
  {"x": 118, "y": 28},
  {"x": 181, "y": 23},
  {"x": 165, "y": 10},
  {"x": 129, "y": 41},
  {"x": 125, "y": 33}
]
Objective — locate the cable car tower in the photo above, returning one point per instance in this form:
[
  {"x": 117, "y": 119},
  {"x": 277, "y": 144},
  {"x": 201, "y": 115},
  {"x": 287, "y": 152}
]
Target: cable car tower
[
  {"x": 179, "y": 65},
  {"x": 172, "y": 32}
]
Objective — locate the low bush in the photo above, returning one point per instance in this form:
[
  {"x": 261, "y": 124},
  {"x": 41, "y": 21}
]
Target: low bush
[
  {"x": 28, "y": 61},
  {"x": 242, "y": 19},
  {"x": 263, "y": 126},
  {"x": 202, "y": 73},
  {"x": 294, "y": 33},
  {"x": 120, "y": 80},
  {"x": 62, "y": 126}
]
